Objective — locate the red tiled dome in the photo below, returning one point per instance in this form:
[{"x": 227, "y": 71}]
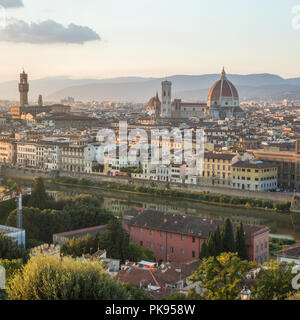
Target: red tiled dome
[{"x": 222, "y": 88}]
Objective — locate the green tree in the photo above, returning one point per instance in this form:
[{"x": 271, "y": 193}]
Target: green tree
[
  {"x": 222, "y": 277},
  {"x": 76, "y": 247},
  {"x": 274, "y": 282},
  {"x": 39, "y": 196},
  {"x": 56, "y": 278},
  {"x": 211, "y": 246},
  {"x": 9, "y": 187},
  {"x": 137, "y": 253},
  {"x": 115, "y": 240},
  {"x": 11, "y": 267},
  {"x": 218, "y": 241},
  {"x": 204, "y": 251},
  {"x": 9, "y": 249},
  {"x": 240, "y": 242},
  {"x": 228, "y": 237}
]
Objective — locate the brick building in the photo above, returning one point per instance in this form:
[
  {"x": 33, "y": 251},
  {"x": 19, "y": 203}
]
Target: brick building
[{"x": 179, "y": 238}]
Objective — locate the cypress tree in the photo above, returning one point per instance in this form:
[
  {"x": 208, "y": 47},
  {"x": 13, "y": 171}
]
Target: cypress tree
[
  {"x": 211, "y": 246},
  {"x": 218, "y": 241},
  {"x": 39, "y": 196},
  {"x": 240, "y": 242},
  {"x": 204, "y": 251},
  {"x": 228, "y": 237}
]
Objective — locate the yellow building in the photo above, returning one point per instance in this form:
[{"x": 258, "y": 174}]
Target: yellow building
[
  {"x": 217, "y": 169},
  {"x": 7, "y": 152},
  {"x": 254, "y": 176}
]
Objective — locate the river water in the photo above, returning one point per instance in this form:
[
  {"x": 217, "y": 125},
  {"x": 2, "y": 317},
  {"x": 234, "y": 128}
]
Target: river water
[{"x": 285, "y": 225}]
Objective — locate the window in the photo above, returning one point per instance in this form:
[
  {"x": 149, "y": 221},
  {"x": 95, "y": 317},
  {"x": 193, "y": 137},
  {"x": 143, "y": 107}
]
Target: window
[
  {"x": 150, "y": 231},
  {"x": 182, "y": 237},
  {"x": 141, "y": 230},
  {"x": 172, "y": 250},
  {"x": 182, "y": 252},
  {"x": 171, "y": 235},
  {"x": 161, "y": 247},
  {"x": 150, "y": 245},
  {"x": 141, "y": 243},
  {"x": 193, "y": 254},
  {"x": 193, "y": 239},
  {"x": 161, "y": 234}
]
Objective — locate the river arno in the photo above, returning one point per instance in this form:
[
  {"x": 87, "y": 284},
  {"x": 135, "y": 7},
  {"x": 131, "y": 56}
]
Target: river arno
[{"x": 285, "y": 224}]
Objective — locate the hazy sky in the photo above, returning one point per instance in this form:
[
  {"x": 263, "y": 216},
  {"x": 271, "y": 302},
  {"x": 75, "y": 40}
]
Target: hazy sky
[{"x": 111, "y": 38}]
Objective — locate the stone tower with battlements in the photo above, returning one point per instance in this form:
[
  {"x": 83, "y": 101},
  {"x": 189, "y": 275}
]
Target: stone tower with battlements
[{"x": 23, "y": 89}]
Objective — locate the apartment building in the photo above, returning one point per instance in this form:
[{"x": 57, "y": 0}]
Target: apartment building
[
  {"x": 27, "y": 154},
  {"x": 288, "y": 164},
  {"x": 52, "y": 155},
  {"x": 72, "y": 157},
  {"x": 217, "y": 169},
  {"x": 7, "y": 152},
  {"x": 179, "y": 238},
  {"x": 254, "y": 176}
]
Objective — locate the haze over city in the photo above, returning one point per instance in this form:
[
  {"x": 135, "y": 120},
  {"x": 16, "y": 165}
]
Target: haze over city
[{"x": 149, "y": 38}]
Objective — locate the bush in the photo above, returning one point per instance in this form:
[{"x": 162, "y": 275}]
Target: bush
[{"x": 55, "y": 278}]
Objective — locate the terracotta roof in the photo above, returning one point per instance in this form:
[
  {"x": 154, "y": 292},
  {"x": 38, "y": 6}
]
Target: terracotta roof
[
  {"x": 170, "y": 274},
  {"x": 291, "y": 252},
  {"x": 223, "y": 156},
  {"x": 222, "y": 88},
  {"x": 82, "y": 232},
  {"x": 254, "y": 165},
  {"x": 181, "y": 224}
]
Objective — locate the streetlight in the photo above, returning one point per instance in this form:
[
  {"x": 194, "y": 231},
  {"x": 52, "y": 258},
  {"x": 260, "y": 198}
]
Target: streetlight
[{"x": 245, "y": 293}]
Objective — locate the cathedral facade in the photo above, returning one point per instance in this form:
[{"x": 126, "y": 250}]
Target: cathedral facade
[{"x": 222, "y": 102}]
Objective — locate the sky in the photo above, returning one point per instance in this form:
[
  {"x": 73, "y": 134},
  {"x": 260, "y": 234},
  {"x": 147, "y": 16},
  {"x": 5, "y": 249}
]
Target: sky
[{"x": 148, "y": 38}]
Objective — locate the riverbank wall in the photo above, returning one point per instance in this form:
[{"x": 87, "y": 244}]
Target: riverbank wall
[{"x": 21, "y": 173}]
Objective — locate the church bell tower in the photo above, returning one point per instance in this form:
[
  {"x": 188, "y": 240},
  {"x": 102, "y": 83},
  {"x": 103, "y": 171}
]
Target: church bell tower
[{"x": 166, "y": 99}]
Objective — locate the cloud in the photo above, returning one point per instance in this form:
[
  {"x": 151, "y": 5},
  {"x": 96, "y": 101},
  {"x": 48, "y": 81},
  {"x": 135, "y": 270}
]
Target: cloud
[
  {"x": 46, "y": 32},
  {"x": 11, "y": 3}
]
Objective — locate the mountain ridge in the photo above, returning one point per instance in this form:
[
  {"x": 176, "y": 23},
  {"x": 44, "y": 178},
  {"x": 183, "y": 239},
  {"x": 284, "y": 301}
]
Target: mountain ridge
[{"x": 141, "y": 89}]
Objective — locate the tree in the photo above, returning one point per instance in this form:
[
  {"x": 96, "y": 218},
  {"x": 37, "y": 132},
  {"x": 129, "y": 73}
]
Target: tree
[
  {"x": 176, "y": 296},
  {"x": 137, "y": 253},
  {"x": 76, "y": 247},
  {"x": 9, "y": 249},
  {"x": 274, "y": 282},
  {"x": 10, "y": 187},
  {"x": 76, "y": 213},
  {"x": 218, "y": 241},
  {"x": 56, "y": 278},
  {"x": 114, "y": 240},
  {"x": 228, "y": 237},
  {"x": 222, "y": 277},
  {"x": 204, "y": 251},
  {"x": 240, "y": 242},
  {"x": 11, "y": 267},
  {"x": 211, "y": 246},
  {"x": 39, "y": 196}
]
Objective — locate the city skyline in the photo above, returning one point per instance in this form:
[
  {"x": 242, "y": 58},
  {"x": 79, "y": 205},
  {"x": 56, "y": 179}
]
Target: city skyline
[{"x": 97, "y": 39}]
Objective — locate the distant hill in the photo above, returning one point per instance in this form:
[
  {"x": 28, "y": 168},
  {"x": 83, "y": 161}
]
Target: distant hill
[{"x": 187, "y": 87}]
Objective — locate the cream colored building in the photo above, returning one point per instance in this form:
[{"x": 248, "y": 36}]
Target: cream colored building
[
  {"x": 27, "y": 154},
  {"x": 7, "y": 152},
  {"x": 217, "y": 169},
  {"x": 254, "y": 176},
  {"x": 73, "y": 158}
]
